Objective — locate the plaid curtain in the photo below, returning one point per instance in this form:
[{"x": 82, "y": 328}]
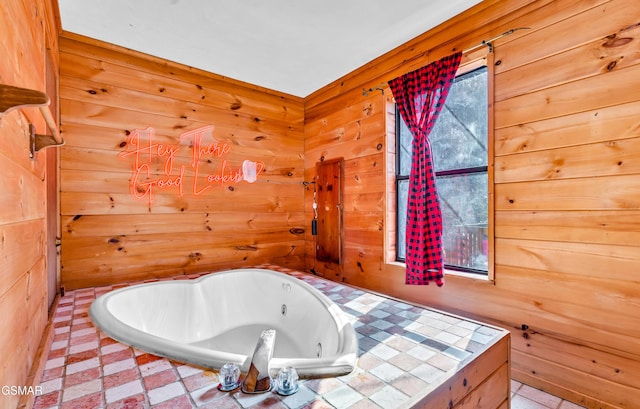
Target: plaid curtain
[{"x": 420, "y": 96}]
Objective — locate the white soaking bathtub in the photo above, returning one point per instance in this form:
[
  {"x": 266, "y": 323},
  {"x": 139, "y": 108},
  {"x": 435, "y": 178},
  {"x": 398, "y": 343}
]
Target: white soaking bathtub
[{"x": 218, "y": 318}]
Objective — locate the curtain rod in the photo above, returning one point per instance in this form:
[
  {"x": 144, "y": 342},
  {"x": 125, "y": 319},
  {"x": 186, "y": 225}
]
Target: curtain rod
[{"x": 488, "y": 43}]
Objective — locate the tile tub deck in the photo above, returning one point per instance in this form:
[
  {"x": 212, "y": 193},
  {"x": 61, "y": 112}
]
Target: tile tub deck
[{"x": 408, "y": 357}]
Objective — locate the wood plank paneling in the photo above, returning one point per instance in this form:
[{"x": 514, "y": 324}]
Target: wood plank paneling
[
  {"x": 14, "y": 340},
  {"x": 95, "y": 203},
  {"x": 594, "y": 193},
  {"x": 116, "y": 85},
  {"x": 608, "y": 89},
  {"x": 491, "y": 393},
  {"x": 613, "y": 157},
  {"x": 200, "y": 221},
  {"x": 580, "y": 226},
  {"x": 117, "y": 266},
  {"x": 567, "y": 27},
  {"x": 79, "y": 160},
  {"x": 608, "y": 394},
  {"x": 169, "y": 223},
  {"x": 600, "y": 125},
  {"x": 566, "y": 188},
  {"x": 590, "y": 59},
  {"x": 582, "y": 259},
  {"x": 22, "y": 245},
  {"x": 169, "y": 123}
]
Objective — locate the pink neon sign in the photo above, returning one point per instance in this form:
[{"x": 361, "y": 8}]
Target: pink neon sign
[{"x": 207, "y": 168}]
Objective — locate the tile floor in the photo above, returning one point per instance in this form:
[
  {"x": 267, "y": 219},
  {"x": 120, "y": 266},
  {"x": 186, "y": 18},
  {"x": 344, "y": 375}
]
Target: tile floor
[
  {"x": 87, "y": 369},
  {"x": 525, "y": 397}
]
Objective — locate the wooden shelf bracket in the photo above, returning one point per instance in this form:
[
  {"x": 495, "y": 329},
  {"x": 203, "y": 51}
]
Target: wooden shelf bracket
[{"x": 15, "y": 97}]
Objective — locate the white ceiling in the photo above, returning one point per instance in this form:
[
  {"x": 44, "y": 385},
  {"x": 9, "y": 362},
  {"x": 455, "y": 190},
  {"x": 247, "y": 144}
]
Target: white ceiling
[{"x": 292, "y": 46}]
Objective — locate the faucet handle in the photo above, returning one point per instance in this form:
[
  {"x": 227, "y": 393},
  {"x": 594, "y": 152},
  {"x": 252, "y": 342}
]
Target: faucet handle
[
  {"x": 229, "y": 375},
  {"x": 287, "y": 381}
]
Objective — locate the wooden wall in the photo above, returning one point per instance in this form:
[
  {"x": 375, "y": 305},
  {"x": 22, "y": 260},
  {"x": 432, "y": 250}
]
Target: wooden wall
[
  {"x": 207, "y": 220},
  {"x": 567, "y": 188},
  {"x": 28, "y": 31}
]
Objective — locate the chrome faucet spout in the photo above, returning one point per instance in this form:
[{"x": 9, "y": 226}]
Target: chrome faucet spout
[{"x": 258, "y": 379}]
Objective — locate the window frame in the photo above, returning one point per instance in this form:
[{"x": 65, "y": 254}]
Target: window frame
[{"x": 468, "y": 64}]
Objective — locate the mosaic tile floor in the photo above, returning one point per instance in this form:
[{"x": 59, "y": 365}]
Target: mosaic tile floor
[{"x": 403, "y": 349}]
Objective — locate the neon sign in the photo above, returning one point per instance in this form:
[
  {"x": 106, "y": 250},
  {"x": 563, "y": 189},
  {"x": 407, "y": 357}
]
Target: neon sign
[{"x": 208, "y": 167}]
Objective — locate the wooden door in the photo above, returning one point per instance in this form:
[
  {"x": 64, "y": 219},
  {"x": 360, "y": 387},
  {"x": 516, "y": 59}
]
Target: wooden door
[{"x": 329, "y": 197}]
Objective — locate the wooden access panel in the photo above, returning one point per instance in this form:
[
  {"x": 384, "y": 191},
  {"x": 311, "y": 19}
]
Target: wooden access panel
[{"x": 329, "y": 196}]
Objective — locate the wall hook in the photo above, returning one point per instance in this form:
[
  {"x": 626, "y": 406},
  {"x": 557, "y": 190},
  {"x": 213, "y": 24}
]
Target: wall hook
[
  {"x": 15, "y": 97},
  {"x": 37, "y": 141},
  {"x": 380, "y": 87}
]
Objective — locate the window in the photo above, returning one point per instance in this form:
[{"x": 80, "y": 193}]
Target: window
[{"x": 459, "y": 145}]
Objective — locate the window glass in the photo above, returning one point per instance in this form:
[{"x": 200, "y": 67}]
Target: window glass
[
  {"x": 463, "y": 201},
  {"x": 402, "y": 189},
  {"x": 404, "y": 149},
  {"x": 459, "y": 136}
]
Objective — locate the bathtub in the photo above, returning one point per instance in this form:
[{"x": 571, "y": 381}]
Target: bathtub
[{"x": 218, "y": 318}]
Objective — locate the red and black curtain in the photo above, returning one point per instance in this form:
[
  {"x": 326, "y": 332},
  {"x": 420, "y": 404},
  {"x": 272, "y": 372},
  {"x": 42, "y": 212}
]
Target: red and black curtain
[{"x": 420, "y": 96}]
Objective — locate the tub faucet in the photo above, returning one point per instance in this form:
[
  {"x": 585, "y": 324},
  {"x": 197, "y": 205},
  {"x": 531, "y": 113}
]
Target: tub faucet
[{"x": 258, "y": 379}]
